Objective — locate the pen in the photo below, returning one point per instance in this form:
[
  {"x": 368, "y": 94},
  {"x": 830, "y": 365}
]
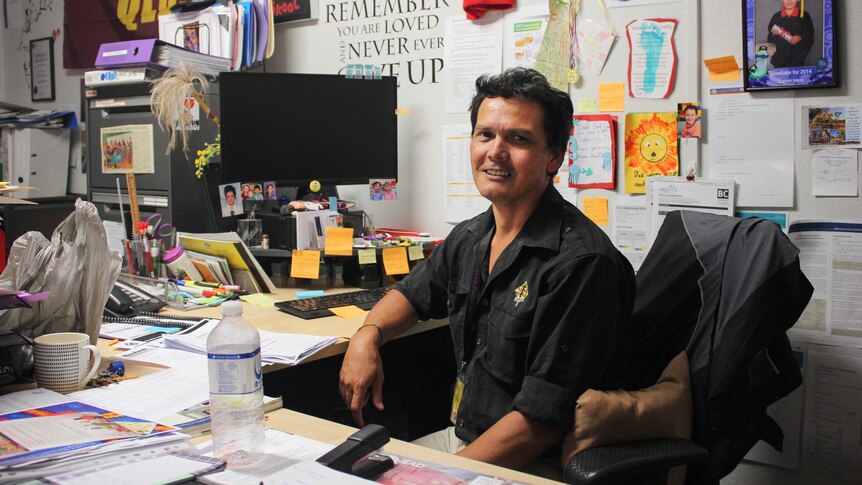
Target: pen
[
  {"x": 124, "y": 378},
  {"x": 113, "y": 342}
]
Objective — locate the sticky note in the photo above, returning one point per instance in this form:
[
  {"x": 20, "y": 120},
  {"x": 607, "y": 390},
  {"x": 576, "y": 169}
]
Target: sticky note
[
  {"x": 586, "y": 105},
  {"x": 414, "y": 253},
  {"x": 260, "y": 299},
  {"x": 350, "y": 311},
  {"x": 339, "y": 241},
  {"x": 722, "y": 68},
  {"x": 612, "y": 97},
  {"x": 367, "y": 256},
  {"x": 305, "y": 263},
  {"x": 596, "y": 208},
  {"x": 395, "y": 261}
]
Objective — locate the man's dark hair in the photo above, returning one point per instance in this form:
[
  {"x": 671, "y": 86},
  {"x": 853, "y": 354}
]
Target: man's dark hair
[
  {"x": 688, "y": 107},
  {"x": 529, "y": 85},
  {"x": 229, "y": 188}
]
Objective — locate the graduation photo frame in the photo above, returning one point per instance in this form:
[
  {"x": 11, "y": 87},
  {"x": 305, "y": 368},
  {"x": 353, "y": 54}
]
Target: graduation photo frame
[{"x": 789, "y": 44}]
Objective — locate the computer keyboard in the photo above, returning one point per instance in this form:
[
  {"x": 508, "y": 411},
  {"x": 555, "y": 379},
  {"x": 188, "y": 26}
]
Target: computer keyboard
[{"x": 319, "y": 306}]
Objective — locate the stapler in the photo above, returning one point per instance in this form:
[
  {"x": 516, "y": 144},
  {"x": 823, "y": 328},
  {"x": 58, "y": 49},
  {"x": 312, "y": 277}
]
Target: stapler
[{"x": 351, "y": 456}]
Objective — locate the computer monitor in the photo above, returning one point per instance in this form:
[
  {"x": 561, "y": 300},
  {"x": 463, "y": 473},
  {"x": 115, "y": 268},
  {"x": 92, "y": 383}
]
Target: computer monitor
[{"x": 295, "y": 128}]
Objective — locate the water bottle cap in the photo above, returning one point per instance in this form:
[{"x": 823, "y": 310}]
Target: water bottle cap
[{"x": 231, "y": 308}]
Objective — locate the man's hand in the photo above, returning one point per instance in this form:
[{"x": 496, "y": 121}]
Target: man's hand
[
  {"x": 361, "y": 372},
  {"x": 795, "y": 39}
]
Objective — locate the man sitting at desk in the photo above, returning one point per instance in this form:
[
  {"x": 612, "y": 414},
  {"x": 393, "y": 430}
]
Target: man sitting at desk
[{"x": 537, "y": 297}]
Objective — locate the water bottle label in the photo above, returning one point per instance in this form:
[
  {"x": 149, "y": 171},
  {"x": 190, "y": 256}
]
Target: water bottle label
[{"x": 235, "y": 373}]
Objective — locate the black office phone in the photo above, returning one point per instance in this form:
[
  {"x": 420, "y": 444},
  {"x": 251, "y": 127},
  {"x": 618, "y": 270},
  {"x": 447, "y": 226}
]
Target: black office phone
[{"x": 126, "y": 300}]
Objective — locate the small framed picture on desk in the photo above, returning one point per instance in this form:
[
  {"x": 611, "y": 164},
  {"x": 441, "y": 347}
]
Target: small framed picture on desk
[
  {"x": 42, "y": 69},
  {"x": 789, "y": 44}
]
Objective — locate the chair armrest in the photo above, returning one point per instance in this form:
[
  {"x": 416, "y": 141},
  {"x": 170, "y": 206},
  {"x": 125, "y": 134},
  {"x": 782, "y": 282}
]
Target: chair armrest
[{"x": 623, "y": 461}]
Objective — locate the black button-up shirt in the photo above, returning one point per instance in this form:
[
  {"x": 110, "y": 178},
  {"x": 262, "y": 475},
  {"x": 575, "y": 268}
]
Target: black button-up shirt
[{"x": 550, "y": 321}]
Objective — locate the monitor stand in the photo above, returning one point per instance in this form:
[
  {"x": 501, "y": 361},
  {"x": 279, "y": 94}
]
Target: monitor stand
[{"x": 325, "y": 192}]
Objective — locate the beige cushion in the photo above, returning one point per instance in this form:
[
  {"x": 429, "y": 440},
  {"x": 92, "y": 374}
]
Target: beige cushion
[{"x": 660, "y": 411}]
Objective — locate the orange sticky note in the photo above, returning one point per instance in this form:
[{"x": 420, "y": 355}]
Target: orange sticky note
[
  {"x": 722, "y": 68},
  {"x": 395, "y": 261},
  {"x": 350, "y": 311},
  {"x": 612, "y": 97},
  {"x": 596, "y": 208},
  {"x": 305, "y": 264},
  {"x": 339, "y": 241}
]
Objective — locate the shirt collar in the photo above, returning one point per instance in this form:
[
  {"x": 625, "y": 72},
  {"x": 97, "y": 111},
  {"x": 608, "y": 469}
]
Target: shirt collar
[
  {"x": 535, "y": 232},
  {"x": 794, "y": 13}
]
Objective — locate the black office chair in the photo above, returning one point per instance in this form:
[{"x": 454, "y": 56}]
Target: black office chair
[{"x": 724, "y": 290}]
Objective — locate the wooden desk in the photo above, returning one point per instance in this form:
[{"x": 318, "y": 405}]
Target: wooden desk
[
  {"x": 273, "y": 320},
  {"x": 322, "y": 430}
]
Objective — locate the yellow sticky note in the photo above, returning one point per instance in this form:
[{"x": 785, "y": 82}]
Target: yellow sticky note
[
  {"x": 612, "y": 97},
  {"x": 414, "y": 253},
  {"x": 395, "y": 261},
  {"x": 339, "y": 241},
  {"x": 596, "y": 208},
  {"x": 260, "y": 299},
  {"x": 350, "y": 311},
  {"x": 367, "y": 256},
  {"x": 305, "y": 263},
  {"x": 722, "y": 68},
  {"x": 586, "y": 105}
]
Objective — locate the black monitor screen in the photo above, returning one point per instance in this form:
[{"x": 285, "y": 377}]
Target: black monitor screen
[{"x": 294, "y": 128}]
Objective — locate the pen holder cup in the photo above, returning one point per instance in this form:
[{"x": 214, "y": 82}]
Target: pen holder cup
[{"x": 250, "y": 231}]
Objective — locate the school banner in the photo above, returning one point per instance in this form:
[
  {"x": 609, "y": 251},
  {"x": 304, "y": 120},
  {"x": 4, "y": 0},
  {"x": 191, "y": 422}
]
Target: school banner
[{"x": 90, "y": 23}]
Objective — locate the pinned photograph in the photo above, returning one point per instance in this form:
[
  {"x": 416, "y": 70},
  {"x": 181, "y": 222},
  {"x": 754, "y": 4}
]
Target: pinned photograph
[
  {"x": 127, "y": 149},
  {"x": 230, "y": 205},
  {"x": 789, "y": 44},
  {"x": 269, "y": 192},
  {"x": 383, "y": 189},
  {"x": 690, "y": 119}
]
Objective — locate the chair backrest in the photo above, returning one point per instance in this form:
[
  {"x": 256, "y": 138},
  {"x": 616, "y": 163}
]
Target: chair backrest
[{"x": 725, "y": 290}]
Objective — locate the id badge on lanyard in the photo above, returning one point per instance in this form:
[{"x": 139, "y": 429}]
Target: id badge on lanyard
[{"x": 469, "y": 334}]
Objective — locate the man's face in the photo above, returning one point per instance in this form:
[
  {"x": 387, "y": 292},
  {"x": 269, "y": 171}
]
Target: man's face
[
  {"x": 509, "y": 151},
  {"x": 257, "y": 190},
  {"x": 790, "y": 4},
  {"x": 230, "y": 197},
  {"x": 690, "y": 116}
]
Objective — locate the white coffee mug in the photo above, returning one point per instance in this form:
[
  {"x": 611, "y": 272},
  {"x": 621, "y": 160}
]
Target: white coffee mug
[{"x": 63, "y": 361}]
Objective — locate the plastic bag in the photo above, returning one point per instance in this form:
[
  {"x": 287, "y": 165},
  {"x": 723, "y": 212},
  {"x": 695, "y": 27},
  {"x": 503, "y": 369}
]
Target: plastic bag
[{"x": 75, "y": 265}]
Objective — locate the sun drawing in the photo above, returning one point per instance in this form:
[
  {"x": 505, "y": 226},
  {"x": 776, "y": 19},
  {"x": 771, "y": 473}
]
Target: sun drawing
[{"x": 652, "y": 147}]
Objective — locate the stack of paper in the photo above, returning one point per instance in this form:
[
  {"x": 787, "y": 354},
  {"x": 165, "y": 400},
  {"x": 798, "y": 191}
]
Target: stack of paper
[
  {"x": 277, "y": 348},
  {"x": 51, "y": 436}
]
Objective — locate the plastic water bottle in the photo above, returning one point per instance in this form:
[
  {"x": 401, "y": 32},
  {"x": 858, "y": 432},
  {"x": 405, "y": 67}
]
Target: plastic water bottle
[{"x": 236, "y": 388}]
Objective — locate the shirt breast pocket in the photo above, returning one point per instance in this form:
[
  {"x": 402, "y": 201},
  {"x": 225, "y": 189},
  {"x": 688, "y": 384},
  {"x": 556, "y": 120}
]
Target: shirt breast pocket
[{"x": 508, "y": 339}]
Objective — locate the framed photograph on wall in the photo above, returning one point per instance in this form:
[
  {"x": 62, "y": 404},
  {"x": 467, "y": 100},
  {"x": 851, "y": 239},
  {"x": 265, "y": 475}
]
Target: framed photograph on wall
[
  {"x": 42, "y": 69},
  {"x": 789, "y": 44}
]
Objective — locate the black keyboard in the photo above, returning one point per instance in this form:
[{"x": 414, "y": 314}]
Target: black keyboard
[{"x": 319, "y": 306}]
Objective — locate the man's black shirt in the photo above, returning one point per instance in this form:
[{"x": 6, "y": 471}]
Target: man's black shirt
[{"x": 550, "y": 321}]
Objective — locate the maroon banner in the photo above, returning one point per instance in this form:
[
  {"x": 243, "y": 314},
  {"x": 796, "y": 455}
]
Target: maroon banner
[{"x": 90, "y": 23}]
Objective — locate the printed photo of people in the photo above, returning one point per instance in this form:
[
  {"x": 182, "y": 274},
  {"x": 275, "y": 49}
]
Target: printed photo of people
[
  {"x": 269, "y": 190},
  {"x": 230, "y": 206},
  {"x": 689, "y": 115},
  {"x": 118, "y": 153},
  {"x": 383, "y": 189}
]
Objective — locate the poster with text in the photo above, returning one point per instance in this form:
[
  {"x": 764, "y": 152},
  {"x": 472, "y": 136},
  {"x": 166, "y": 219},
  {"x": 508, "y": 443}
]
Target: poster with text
[
  {"x": 651, "y": 148},
  {"x": 590, "y": 153}
]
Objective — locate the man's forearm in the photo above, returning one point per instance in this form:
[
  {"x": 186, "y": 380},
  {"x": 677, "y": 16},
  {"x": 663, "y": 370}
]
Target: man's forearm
[
  {"x": 391, "y": 316},
  {"x": 513, "y": 442}
]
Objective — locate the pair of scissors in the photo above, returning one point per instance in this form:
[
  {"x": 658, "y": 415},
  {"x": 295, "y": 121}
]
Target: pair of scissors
[{"x": 157, "y": 230}]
